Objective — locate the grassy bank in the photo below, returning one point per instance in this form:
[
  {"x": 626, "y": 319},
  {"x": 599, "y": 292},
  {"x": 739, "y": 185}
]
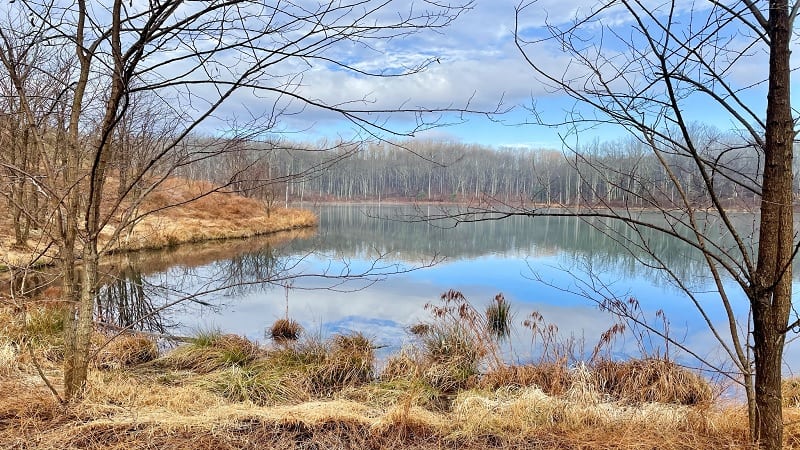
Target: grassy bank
[
  {"x": 178, "y": 212},
  {"x": 222, "y": 391}
]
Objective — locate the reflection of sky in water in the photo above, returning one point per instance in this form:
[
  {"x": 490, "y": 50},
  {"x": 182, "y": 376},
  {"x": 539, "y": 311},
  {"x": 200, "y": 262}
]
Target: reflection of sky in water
[{"x": 384, "y": 310}]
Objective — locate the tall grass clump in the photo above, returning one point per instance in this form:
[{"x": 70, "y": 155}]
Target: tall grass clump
[
  {"x": 452, "y": 357},
  {"x": 284, "y": 331},
  {"x": 127, "y": 350},
  {"x": 295, "y": 372},
  {"x": 499, "y": 317},
  {"x": 459, "y": 340},
  {"x": 651, "y": 380},
  {"x": 38, "y": 328},
  {"x": 42, "y": 327},
  {"x": 259, "y": 383},
  {"x": 349, "y": 361},
  {"x": 210, "y": 351},
  {"x": 553, "y": 378}
]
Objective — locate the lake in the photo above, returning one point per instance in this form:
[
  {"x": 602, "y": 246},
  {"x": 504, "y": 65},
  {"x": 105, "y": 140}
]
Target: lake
[{"x": 365, "y": 270}]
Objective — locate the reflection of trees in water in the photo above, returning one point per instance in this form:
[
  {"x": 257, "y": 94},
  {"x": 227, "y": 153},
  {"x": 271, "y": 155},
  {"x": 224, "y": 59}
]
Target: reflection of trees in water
[
  {"x": 250, "y": 271},
  {"x": 347, "y": 232},
  {"x": 138, "y": 299},
  {"x": 128, "y": 300},
  {"x": 356, "y": 231}
]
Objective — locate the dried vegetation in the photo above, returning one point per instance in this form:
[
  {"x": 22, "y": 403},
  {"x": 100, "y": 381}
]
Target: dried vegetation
[
  {"x": 445, "y": 391},
  {"x": 179, "y": 211}
]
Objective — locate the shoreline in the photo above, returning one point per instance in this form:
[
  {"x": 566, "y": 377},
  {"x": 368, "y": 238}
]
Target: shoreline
[{"x": 161, "y": 233}]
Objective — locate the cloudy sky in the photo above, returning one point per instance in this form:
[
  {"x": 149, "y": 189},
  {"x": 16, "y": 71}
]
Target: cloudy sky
[
  {"x": 477, "y": 63},
  {"x": 473, "y": 63}
]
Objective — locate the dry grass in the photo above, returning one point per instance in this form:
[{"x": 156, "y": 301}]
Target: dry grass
[
  {"x": 123, "y": 412},
  {"x": 551, "y": 378},
  {"x": 405, "y": 365},
  {"x": 126, "y": 351},
  {"x": 450, "y": 356},
  {"x": 197, "y": 217},
  {"x": 285, "y": 330},
  {"x": 222, "y": 391},
  {"x": 211, "y": 351},
  {"x": 791, "y": 392},
  {"x": 652, "y": 380},
  {"x": 350, "y": 362},
  {"x": 8, "y": 356},
  {"x": 210, "y": 217}
]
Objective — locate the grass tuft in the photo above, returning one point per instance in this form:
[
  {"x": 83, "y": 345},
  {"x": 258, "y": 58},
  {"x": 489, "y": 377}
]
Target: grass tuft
[
  {"x": 452, "y": 356},
  {"x": 211, "y": 351},
  {"x": 258, "y": 384},
  {"x": 350, "y": 362},
  {"x": 127, "y": 350},
  {"x": 652, "y": 380},
  {"x": 285, "y": 330},
  {"x": 499, "y": 317},
  {"x": 405, "y": 365},
  {"x": 551, "y": 378}
]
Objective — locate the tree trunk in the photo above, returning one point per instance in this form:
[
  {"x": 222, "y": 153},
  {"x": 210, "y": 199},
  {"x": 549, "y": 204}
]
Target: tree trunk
[
  {"x": 771, "y": 295},
  {"x": 76, "y": 368}
]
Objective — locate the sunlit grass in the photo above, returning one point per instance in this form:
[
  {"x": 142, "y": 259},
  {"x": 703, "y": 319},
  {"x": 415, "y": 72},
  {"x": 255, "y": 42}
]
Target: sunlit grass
[
  {"x": 225, "y": 391},
  {"x": 285, "y": 330},
  {"x": 177, "y": 212}
]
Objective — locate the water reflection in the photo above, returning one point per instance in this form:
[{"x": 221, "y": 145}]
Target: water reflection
[
  {"x": 154, "y": 291},
  {"x": 546, "y": 264},
  {"x": 127, "y": 300}
]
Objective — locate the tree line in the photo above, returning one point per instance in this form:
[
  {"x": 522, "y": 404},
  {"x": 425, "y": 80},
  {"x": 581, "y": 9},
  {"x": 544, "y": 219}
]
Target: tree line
[{"x": 618, "y": 172}]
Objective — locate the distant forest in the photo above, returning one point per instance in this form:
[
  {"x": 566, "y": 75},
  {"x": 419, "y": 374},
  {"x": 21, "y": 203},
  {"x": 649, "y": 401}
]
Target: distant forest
[{"x": 621, "y": 172}]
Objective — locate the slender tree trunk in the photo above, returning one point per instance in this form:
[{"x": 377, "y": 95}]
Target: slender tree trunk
[{"x": 772, "y": 290}]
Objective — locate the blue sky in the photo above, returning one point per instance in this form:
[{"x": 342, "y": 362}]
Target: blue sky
[
  {"x": 474, "y": 63},
  {"x": 479, "y": 63}
]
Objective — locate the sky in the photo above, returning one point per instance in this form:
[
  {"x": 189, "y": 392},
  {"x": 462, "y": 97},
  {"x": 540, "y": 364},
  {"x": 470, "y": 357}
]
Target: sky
[
  {"x": 473, "y": 64},
  {"x": 477, "y": 63}
]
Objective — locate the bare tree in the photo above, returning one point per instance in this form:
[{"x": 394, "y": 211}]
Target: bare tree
[
  {"x": 657, "y": 70},
  {"x": 644, "y": 74},
  {"x": 110, "y": 61}
]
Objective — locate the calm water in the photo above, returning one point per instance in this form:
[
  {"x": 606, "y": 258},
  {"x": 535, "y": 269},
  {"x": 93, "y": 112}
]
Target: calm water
[{"x": 364, "y": 272}]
